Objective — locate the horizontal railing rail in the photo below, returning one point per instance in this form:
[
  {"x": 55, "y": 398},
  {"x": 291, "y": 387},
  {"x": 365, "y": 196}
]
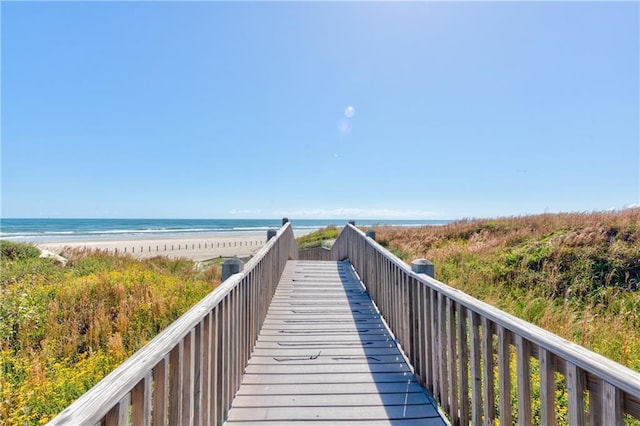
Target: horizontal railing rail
[
  {"x": 315, "y": 253},
  {"x": 190, "y": 372},
  {"x": 467, "y": 353}
]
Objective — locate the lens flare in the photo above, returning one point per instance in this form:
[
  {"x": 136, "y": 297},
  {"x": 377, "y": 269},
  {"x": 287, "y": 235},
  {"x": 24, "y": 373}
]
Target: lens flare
[{"x": 349, "y": 111}]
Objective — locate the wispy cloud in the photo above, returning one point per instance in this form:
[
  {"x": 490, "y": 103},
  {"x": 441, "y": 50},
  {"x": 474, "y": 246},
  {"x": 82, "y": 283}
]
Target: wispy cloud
[
  {"x": 245, "y": 212},
  {"x": 359, "y": 213}
]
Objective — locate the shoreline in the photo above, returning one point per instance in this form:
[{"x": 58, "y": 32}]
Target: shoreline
[{"x": 194, "y": 247}]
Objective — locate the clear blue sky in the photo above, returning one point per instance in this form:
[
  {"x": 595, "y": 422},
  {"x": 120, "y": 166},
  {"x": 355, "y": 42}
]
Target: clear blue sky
[{"x": 411, "y": 110}]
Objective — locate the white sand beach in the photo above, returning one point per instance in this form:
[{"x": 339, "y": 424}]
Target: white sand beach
[{"x": 198, "y": 248}]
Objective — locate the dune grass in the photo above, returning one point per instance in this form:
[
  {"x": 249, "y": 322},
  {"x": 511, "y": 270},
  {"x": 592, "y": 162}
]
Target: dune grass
[
  {"x": 576, "y": 275},
  {"x": 318, "y": 238},
  {"x": 64, "y": 328}
]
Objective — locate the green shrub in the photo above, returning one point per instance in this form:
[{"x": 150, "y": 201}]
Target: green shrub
[
  {"x": 15, "y": 251},
  {"x": 64, "y": 328},
  {"x": 318, "y": 238}
]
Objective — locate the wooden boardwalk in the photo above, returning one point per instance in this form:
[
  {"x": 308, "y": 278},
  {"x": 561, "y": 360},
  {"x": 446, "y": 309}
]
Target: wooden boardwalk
[{"x": 325, "y": 356}]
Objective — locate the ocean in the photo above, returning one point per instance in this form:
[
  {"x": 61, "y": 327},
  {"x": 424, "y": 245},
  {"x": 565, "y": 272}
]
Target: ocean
[{"x": 61, "y": 230}]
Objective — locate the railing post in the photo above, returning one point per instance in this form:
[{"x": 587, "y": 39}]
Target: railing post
[
  {"x": 371, "y": 234},
  {"x": 230, "y": 267},
  {"x": 423, "y": 266}
]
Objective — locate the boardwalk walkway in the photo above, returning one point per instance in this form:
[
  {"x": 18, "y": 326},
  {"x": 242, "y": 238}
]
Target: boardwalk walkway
[{"x": 325, "y": 356}]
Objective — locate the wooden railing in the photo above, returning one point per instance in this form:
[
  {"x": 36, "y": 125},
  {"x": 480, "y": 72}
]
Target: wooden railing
[
  {"x": 189, "y": 373},
  {"x": 466, "y": 352},
  {"x": 315, "y": 253}
]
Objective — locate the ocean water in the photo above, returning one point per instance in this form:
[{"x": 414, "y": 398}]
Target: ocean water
[{"x": 60, "y": 230}]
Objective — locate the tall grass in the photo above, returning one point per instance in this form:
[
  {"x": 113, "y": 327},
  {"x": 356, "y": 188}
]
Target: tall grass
[
  {"x": 319, "y": 238},
  {"x": 576, "y": 275},
  {"x": 64, "y": 328}
]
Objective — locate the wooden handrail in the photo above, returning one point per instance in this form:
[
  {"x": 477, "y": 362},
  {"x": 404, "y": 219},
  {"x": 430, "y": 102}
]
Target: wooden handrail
[
  {"x": 452, "y": 339},
  {"x": 315, "y": 253},
  {"x": 189, "y": 373}
]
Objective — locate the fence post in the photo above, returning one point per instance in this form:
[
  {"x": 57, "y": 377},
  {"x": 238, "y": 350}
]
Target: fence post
[
  {"x": 423, "y": 266},
  {"x": 371, "y": 234},
  {"x": 230, "y": 267}
]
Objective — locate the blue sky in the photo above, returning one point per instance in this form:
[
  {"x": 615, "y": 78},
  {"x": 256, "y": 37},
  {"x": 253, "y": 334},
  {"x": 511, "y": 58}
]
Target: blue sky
[{"x": 405, "y": 110}]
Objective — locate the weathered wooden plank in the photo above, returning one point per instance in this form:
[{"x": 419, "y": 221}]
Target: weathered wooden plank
[
  {"x": 323, "y": 310},
  {"x": 333, "y": 413},
  {"x": 611, "y": 405},
  {"x": 218, "y": 365},
  {"x": 330, "y": 388},
  {"x": 141, "y": 402},
  {"x": 338, "y": 320},
  {"x": 504, "y": 375},
  {"x": 313, "y": 368},
  {"x": 352, "y": 316},
  {"x": 421, "y": 367},
  {"x": 435, "y": 350},
  {"x": 576, "y": 386},
  {"x": 207, "y": 370},
  {"x": 198, "y": 380},
  {"x": 435, "y": 421},
  {"x": 523, "y": 356},
  {"x": 320, "y": 359},
  {"x": 291, "y": 304},
  {"x": 594, "y": 410},
  {"x": 175, "y": 384},
  {"x": 413, "y": 330},
  {"x": 324, "y": 330},
  {"x": 405, "y": 309},
  {"x": 488, "y": 399},
  {"x": 160, "y": 392},
  {"x": 328, "y": 378},
  {"x": 331, "y": 400},
  {"x": 463, "y": 367},
  {"x": 351, "y": 351},
  {"x": 476, "y": 377},
  {"x": 119, "y": 414},
  {"x": 325, "y": 345},
  {"x": 426, "y": 354},
  {"x": 453, "y": 361},
  {"x": 225, "y": 355},
  {"x": 547, "y": 388},
  {"x": 234, "y": 360},
  {"x": 313, "y": 338},
  {"x": 187, "y": 379},
  {"x": 443, "y": 374}
]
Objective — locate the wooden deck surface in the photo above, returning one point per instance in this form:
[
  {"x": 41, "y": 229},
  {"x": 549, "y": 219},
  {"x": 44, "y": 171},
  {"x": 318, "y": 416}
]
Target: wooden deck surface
[{"x": 324, "y": 356}]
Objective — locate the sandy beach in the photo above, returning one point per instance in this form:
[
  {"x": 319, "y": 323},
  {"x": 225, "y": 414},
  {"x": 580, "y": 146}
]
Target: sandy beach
[{"x": 198, "y": 248}]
